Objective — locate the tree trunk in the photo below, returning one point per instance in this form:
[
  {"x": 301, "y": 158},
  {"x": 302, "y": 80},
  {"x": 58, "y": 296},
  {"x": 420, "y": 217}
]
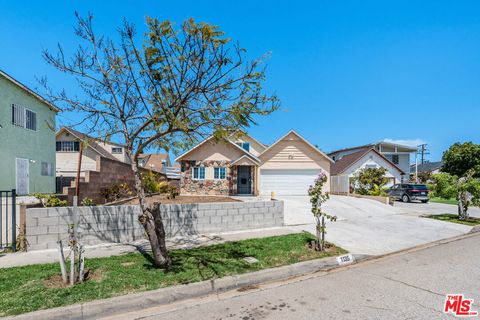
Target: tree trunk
[
  {"x": 462, "y": 206},
  {"x": 151, "y": 220}
]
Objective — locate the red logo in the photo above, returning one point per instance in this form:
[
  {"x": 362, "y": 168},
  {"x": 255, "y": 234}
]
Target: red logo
[{"x": 459, "y": 306}]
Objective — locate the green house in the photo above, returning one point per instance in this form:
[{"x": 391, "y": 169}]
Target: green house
[{"x": 27, "y": 139}]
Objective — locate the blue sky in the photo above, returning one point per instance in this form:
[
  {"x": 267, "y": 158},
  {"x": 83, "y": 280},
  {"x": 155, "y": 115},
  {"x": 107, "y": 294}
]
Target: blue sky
[{"x": 347, "y": 72}]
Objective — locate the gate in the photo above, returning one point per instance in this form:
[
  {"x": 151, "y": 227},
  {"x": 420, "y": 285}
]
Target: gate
[{"x": 8, "y": 217}]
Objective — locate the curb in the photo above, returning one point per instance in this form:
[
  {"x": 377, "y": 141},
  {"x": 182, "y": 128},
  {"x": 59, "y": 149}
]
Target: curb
[{"x": 139, "y": 301}]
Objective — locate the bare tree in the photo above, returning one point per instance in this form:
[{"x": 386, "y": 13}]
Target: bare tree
[{"x": 166, "y": 90}]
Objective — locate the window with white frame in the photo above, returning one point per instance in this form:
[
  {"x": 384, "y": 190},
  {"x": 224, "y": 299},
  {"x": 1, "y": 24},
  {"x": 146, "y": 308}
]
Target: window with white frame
[
  {"x": 47, "y": 169},
  {"x": 219, "y": 173},
  {"x": 23, "y": 117},
  {"x": 117, "y": 150},
  {"x": 198, "y": 173},
  {"x": 68, "y": 146}
]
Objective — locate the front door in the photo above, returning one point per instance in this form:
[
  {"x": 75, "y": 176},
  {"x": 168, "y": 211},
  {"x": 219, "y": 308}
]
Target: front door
[
  {"x": 22, "y": 184},
  {"x": 244, "y": 180}
]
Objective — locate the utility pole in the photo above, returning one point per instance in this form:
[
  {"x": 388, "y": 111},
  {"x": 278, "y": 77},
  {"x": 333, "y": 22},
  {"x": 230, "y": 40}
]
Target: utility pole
[{"x": 423, "y": 152}]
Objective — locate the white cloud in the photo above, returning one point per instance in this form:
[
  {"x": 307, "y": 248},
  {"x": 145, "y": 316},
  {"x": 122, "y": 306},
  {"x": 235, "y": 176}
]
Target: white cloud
[{"x": 406, "y": 142}]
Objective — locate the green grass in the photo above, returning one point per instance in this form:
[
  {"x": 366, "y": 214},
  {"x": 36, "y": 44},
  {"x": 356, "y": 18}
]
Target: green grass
[
  {"x": 25, "y": 289},
  {"x": 441, "y": 200},
  {"x": 472, "y": 221}
]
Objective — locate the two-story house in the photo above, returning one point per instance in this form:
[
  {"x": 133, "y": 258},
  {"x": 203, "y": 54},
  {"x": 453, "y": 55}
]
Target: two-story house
[
  {"x": 396, "y": 153},
  {"x": 27, "y": 139},
  {"x": 68, "y": 143},
  {"x": 393, "y": 157}
]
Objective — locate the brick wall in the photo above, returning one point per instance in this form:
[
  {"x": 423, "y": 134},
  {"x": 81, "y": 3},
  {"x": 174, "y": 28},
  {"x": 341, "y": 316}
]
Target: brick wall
[
  {"x": 118, "y": 224},
  {"x": 108, "y": 173}
]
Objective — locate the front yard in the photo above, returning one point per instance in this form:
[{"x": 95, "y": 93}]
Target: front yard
[
  {"x": 30, "y": 288},
  {"x": 445, "y": 201},
  {"x": 471, "y": 221}
]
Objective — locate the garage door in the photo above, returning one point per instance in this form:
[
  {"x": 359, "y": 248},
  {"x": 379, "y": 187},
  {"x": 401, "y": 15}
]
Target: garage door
[{"x": 291, "y": 182}]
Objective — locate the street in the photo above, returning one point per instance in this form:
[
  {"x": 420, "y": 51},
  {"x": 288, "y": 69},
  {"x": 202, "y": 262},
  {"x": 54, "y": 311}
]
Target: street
[{"x": 410, "y": 285}]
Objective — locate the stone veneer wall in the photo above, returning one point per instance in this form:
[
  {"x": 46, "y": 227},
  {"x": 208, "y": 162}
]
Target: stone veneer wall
[
  {"x": 188, "y": 186},
  {"x": 119, "y": 224}
]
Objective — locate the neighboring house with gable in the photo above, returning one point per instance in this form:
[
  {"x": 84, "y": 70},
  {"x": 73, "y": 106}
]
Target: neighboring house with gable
[
  {"x": 245, "y": 166},
  {"x": 68, "y": 143},
  {"x": 27, "y": 139},
  {"x": 395, "y": 153},
  {"x": 344, "y": 170},
  {"x": 427, "y": 167},
  {"x": 156, "y": 161}
]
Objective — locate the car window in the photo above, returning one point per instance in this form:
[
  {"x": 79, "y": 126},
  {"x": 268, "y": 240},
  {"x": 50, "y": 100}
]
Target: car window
[{"x": 419, "y": 187}]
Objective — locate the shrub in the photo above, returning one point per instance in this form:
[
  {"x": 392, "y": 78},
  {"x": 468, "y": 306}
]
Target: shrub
[
  {"x": 444, "y": 186},
  {"x": 87, "y": 202},
  {"x": 370, "y": 180},
  {"x": 116, "y": 191},
  {"x": 151, "y": 182},
  {"x": 49, "y": 200}
]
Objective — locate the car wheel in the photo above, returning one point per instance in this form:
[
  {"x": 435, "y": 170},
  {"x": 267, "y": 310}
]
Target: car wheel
[
  {"x": 405, "y": 198},
  {"x": 424, "y": 201}
]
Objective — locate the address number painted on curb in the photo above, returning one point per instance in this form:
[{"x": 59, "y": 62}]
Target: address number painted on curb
[{"x": 345, "y": 259}]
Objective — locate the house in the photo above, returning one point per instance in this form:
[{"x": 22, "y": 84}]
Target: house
[
  {"x": 345, "y": 169},
  {"x": 244, "y": 166},
  {"x": 68, "y": 142},
  {"x": 395, "y": 153},
  {"x": 156, "y": 162},
  {"x": 27, "y": 139},
  {"x": 427, "y": 167}
]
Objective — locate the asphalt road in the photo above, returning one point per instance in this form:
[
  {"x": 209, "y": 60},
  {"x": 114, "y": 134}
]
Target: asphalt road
[{"x": 410, "y": 285}]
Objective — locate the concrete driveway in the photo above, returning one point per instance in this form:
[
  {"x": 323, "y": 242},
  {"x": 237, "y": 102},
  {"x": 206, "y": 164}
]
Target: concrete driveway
[{"x": 369, "y": 227}]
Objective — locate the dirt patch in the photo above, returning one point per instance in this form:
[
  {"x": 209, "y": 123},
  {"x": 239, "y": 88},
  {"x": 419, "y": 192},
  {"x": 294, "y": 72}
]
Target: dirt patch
[
  {"x": 184, "y": 199},
  {"x": 56, "y": 281}
]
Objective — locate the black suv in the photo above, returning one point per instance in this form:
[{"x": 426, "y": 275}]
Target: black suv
[{"x": 408, "y": 192}]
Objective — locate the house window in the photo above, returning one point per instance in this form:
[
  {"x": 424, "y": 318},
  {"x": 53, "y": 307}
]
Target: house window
[
  {"x": 23, "y": 117},
  {"x": 219, "y": 173},
  {"x": 395, "y": 158},
  {"x": 68, "y": 146},
  {"x": 117, "y": 150},
  {"x": 47, "y": 169},
  {"x": 198, "y": 173},
  {"x": 244, "y": 145}
]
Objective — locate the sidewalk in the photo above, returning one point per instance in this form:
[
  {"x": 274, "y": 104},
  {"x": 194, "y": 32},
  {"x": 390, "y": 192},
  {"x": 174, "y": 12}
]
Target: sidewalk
[{"x": 112, "y": 249}]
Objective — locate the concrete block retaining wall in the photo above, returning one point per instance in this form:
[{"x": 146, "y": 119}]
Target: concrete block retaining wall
[{"x": 119, "y": 224}]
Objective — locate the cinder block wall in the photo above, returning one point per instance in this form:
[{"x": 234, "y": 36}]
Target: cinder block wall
[
  {"x": 119, "y": 224},
  {"x": 108, "y": 173}
]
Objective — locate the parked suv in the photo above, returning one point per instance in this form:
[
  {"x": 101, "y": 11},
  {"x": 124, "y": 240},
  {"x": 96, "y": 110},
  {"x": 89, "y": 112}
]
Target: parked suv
[{"x": 408, "y": 192}]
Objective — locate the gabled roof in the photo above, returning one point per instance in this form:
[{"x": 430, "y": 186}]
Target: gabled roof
[
  {"x": 154, "y": 161},
  {"x": 245, "y": 157},
  {"x": 92, "y": 142},
  {"x": 427, "y": 166},
  {"x": 246, "y": 134},
  {"x": 350, "y": 159},
  {"x": 301, "y": 138},
  {"x": 29, "y": 91},
  {"x": 226, "y": 140}
]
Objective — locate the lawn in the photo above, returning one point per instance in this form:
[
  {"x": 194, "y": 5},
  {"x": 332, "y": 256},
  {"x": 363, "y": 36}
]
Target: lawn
[
  {"x": 472, "y": 221},
  {"x": 441, "y": 200},
  {"x": 30, "y": 288}
]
